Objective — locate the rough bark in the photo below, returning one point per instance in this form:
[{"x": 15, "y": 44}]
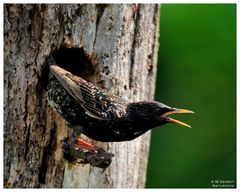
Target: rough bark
[{"x": 123, "y": 39}]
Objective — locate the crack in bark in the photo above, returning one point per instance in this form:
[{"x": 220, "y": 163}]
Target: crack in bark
[
  {"x": 100, "y": 10},
  {"x": 134, "y": 45},
  {"x": 47, "y": 151}
]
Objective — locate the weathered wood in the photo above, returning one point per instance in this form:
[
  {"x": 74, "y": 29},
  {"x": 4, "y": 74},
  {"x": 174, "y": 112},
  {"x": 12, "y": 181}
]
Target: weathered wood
[{"x": 123, "y": 39}]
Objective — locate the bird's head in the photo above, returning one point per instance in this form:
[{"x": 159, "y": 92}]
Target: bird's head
[{"x": 155, "y": 113}]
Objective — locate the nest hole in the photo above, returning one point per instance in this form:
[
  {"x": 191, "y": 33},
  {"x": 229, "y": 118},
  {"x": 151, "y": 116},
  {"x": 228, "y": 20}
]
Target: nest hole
[{"x": 74, "y": 60}]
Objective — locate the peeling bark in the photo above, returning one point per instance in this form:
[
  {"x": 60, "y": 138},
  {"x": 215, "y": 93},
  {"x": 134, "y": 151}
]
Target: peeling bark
[{"x": 122, "y": 39}]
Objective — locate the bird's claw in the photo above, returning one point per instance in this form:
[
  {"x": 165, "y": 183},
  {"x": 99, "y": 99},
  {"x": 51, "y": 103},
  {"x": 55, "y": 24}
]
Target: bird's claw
[{"x": 87, "y": 153}]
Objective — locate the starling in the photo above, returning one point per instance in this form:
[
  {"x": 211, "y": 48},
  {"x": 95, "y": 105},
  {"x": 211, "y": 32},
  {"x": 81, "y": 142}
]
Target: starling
[{"x": 102, "y": 116}]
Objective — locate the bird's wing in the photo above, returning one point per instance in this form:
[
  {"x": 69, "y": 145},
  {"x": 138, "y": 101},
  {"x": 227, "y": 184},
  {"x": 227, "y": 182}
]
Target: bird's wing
[{"x": 97, "y": 103}]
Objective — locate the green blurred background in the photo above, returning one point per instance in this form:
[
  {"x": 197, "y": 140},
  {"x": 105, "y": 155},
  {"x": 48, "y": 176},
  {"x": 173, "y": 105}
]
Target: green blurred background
[{"x": 197, "y": 71}]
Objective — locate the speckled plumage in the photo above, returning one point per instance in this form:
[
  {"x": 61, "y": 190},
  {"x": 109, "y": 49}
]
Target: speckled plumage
[{"x": 103, "y": 116}]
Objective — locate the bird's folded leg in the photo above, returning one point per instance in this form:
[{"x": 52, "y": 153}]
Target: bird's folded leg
[
  {"x": 87, "y": 153},
  {"x": 82, "y": 143}
]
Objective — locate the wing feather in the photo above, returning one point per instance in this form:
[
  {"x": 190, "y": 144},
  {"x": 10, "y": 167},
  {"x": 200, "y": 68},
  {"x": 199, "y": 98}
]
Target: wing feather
[{"x": 98, "y": 103}]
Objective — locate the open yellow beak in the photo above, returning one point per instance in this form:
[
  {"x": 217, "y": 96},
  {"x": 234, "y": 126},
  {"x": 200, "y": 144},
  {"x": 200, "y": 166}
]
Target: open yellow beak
[{"x": 171, "y": 120}]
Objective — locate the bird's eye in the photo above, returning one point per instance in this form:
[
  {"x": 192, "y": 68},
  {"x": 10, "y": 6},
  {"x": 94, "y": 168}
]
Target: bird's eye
[{"x": 104, "y": 114}]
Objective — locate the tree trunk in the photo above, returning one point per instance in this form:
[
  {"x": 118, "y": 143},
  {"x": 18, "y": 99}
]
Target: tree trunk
[{"x": 123, "y": 40}]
